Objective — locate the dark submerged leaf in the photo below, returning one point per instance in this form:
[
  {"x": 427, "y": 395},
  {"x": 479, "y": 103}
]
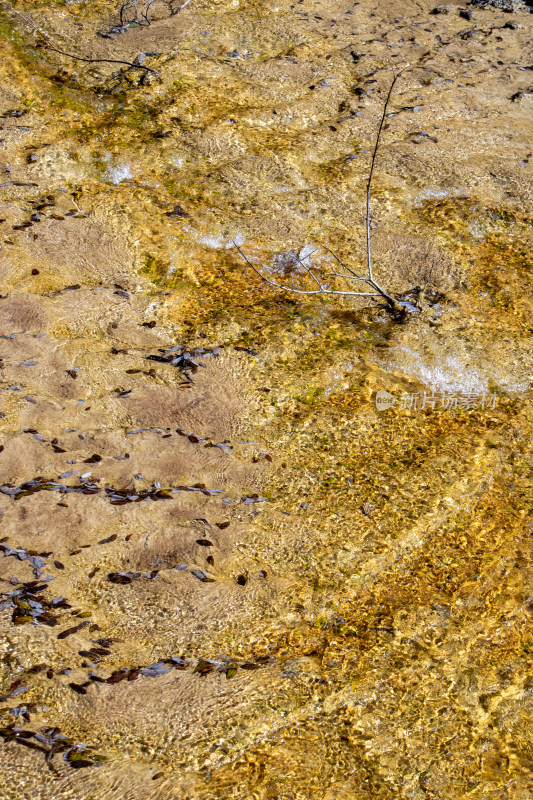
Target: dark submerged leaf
[
  {"x": 118, "y": 675},
  {"x": 203, "y": 667},
  {"x": 80, "y": 763},
  {"x": 108, "y": 540},
  {"x": 70, "y": 631},
  {"x": 201, "y": 576},
  {"x": 78, "y": 688}
]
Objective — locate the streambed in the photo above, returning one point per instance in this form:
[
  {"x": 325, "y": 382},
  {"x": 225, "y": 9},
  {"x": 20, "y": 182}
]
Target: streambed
[{"x": 226, "y": 572}]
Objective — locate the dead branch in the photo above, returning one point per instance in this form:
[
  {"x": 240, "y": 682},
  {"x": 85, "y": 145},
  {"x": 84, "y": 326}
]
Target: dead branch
[
  {"x": 174, "y": 11},
  {"x": 138, "y": 17},
  {"x": 370, "y": 174},
  {"x": 137, "y": 12},
  {"x": 342, "y": 271},
  {"x": 322, "y": 288},
  {"x": 131, "y": 64}
]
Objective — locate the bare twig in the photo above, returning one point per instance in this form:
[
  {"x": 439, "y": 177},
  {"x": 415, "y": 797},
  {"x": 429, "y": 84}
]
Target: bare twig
[
  {"x": 135, "y": 12},
  {"x": 370, "y": 174},
  {"x": 138, "y": 16},
  {"x": 345, "y": 272},
  {"x": 17, "y": 183},
  {"x": 179, "y": 8},
  {"x": 322, "y": 289},
  {"x": 126, "y": 7},
  {"x": 146, "y": 10},
  {"x": 340, "y": 262},
  {"x": 48, "y": 46}
]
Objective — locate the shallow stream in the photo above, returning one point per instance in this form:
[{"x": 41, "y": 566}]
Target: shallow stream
[{"x": 231, "y": 570}]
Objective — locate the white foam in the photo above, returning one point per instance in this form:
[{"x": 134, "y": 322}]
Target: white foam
[
  {"x": 224, "y": 242},
  {"x": 116, "y": 172},
  {"x": 451, "y": 374},
  {"x": 122, "y": 172},
  {"x": 431, "y": 194}
]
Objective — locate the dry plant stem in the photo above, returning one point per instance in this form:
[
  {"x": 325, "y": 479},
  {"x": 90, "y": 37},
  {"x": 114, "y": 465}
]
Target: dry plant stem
[
  {"x": 139, "y": 17},
  {"x": 180, "y": 8},
  {"x": 322, "y": 289},
  {"x": 46, "y": 43},
  {"x": 348, "y": 273},
  {"x": 123, "y": 8},
  {"x": 369, "y": 182},
  {"x": 136, "y": 18},
  {"x": 97, "y": 60}
]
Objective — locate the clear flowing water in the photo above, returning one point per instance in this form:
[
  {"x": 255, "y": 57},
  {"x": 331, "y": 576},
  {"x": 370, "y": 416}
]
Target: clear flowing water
[{"x": 228, "y": 571}]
